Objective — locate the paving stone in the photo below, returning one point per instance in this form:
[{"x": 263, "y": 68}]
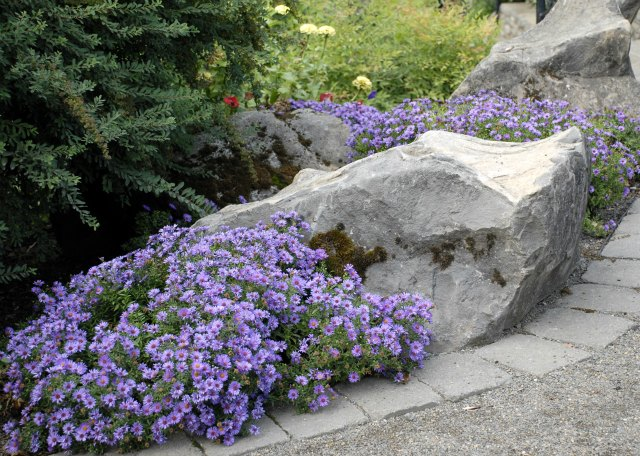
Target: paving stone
[
  {"x": 177, "y": 444},
  {"x": 591, "y": 329},
  {"x": 270, "y": 434},
  {"x": 459, "y": 375},
  {"x": 635, "y": 207},
  {"x": 531, "y": 354},
  {"x": 630, "y": 225},
  {"x": 623, "y": 273},
  {"x": 383, "y": 398},
  {"x": 602, "y": 298},
  {"x": 338, "y": 415},
  {"x": 623, "y": 246}
]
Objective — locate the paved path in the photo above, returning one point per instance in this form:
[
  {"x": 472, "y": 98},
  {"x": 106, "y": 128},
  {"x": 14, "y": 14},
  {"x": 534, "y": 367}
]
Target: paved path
[{"x": 559, "y": 343}]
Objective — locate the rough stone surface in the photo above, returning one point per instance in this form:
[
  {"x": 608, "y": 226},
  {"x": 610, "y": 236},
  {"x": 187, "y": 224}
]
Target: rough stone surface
[
  {"x": 270, "y": 434},
  {"x": 486, "y": 229},
  {"x": 602, "y": 298},
  {"x": 382, "y": 398},
  {"x": 624, "y": 273},
  {"x": 459, "y": 375},
  {"x": 531, "y": 354},
  {"x": 309, "y": 139},
  {"x": 515, "y": 19},
  {"x": 590, "y": 329},
  {"x": 634, "y": 209},
  {"x": 338, "y": 415},
  {"x": 583, "y": 58},
  {"x": 628, "y": 8}
]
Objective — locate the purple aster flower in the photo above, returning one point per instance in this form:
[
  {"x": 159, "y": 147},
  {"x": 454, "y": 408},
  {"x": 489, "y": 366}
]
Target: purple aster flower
[{"x": 323, "y": 400}]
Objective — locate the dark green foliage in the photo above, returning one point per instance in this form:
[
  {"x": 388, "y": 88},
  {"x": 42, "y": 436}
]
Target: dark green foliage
[{"x": 102, "y": 97}]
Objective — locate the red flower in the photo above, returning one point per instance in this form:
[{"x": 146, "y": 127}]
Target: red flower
[
  {"x": 232, "y": 102},
  {"x": 326, "y": 96}
]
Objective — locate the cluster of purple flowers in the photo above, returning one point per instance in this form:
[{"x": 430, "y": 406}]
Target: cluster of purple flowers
[
  {"x": 196, "y": 332},
  {"x": 613, "y": 136}
]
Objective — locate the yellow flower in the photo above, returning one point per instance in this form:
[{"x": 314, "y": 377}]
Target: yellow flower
[
  {"x": 282, "y": 9},
  {"x": 309, "y": 29},
  {"x": 362, "y": 83},
  {"x": 326, "y": 30}
]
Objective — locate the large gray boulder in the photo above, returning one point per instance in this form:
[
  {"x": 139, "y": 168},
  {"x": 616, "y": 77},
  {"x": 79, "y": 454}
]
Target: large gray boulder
[
  {"x": 579, "y": 52},
  {"x": 487, "y": 229},
  {"x": 628, "y": 8},
  {"x": 276, "y": 146},
  {"x": 307, "y": 139}
]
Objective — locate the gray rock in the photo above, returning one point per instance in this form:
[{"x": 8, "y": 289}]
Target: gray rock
[
  {"x": 486, "y": 229},
  {"x": 628, "y": 8},
  {"x": 304, "y": 138},
  {"x": 582, "y": 58}
]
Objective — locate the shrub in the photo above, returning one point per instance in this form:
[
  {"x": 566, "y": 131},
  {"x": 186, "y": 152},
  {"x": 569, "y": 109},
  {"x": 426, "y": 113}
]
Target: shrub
[
  {"x": 198, "y": 331},
  {"x": 101, "y": 97},
  {"x": 407, "y": 48},
  {"x": 612, "y": 136}
]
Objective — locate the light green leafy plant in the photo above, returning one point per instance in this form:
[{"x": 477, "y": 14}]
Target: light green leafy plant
[{"x": 407, "y": 48}]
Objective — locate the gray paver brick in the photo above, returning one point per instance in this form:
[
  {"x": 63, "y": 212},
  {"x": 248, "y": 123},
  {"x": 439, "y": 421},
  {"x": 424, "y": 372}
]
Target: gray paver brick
[
  {"x": 459, "y": 375},
  {"x": 603, "y": 298},
  {"x": 623, "y": 246},
  {"x": 177, "y": 444},
  {"x": 622, "y": 273},
  {"x": 383, "y": 398},
  {"x": 630, "y": 224},
  {"x": 591, "y": 329},
  {"x": 531, "y": 354},
  {"x": 338, "y": 415},
  {"x": 270, "y": 434}
]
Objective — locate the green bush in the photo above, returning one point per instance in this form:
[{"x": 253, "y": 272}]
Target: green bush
[
  {"x": 101, "y": 97},
  {"x": 407, "y": 48}
]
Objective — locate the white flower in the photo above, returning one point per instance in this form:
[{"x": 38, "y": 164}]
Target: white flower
[
  {"x": 309, "y": 29},
  {"x": 363, "y": 83},
  {"x": 326, "y": 30},
  {"x": 282, "y": 9}
]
